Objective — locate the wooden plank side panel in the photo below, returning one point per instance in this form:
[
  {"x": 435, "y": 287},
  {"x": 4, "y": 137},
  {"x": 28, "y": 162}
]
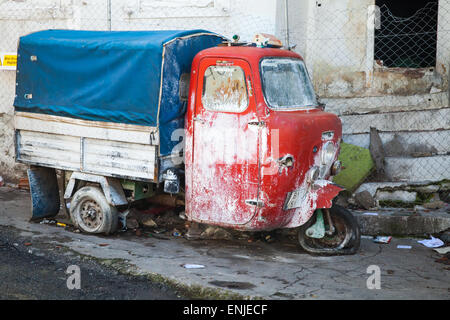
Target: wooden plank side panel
[
  {"x": 119, "y": 158},
  {"x": 56, "y": 151},
  {"x": 103, "y": 157}
]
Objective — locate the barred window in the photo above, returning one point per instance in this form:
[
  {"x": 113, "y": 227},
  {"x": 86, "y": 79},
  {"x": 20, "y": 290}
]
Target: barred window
[{"x": 407, "y": 36}]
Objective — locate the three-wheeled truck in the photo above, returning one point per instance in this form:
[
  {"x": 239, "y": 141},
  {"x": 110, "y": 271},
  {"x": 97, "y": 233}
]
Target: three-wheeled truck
[{"x": 234, "y": 128}]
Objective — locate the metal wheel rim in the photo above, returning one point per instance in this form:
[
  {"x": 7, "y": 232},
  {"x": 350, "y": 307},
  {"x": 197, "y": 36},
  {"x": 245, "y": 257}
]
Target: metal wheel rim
[{"x": 90, "y": 215}]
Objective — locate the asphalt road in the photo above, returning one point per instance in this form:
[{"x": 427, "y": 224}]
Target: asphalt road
[
  {"x": 30, "y": 272},
  {"x": 255, "y": 268}
]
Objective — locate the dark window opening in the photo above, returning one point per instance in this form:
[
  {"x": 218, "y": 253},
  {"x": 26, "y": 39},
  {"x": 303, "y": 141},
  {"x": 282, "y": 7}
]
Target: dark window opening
[{"x": 407, "y": 37}]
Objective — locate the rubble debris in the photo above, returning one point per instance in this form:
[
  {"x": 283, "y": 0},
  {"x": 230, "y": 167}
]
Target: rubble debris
[
  {"x": 169, "y": 220},
  {"x": 382, "y": 239},
  {"x": 194, "y": 231},
  {"x": 432, "y": 243},
  {"x": 148, "y": 222},
  {"x": 132, "y": 223},
  {"x": 216, "y": 233},
  {"x": 193, "y": 266},
  {"x": 154, "y": 210},
  {"x": 436, "y": 204},
  {"x": 46, "y": 221},
  {"x": 176, "y": 233},
  {"x": 24, "y": 184},
  {"x": 365, "y": 200},
  {"x": 444, "y": 250},
  {"x": 160, "y": 230},
  {"x": 445, "y": 259},
  {"x": 167, "y": 200}
]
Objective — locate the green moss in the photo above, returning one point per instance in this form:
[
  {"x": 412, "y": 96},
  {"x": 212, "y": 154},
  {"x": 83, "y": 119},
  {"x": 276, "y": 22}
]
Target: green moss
[
  {"x": 357, "y": 163},
  {"x": 396, "y": 204}
]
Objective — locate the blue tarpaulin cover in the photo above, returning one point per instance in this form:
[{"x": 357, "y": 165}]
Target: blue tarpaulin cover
[{"x": 112, "y": 76}]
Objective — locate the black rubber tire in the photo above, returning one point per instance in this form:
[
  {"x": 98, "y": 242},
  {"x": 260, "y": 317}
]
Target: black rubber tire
[
  {"x": 346, "y": 247},
  {"x": 109, "y": 222}
]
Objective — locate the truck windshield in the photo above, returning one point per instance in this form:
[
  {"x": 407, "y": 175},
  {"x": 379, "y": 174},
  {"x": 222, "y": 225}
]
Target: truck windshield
[{"x": 286, "y": 84}]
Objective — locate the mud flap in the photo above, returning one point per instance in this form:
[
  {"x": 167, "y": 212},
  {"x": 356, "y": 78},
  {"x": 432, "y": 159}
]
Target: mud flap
[
  {"x": 44, "y": 191},
  {"x": 317, "y": 230}
]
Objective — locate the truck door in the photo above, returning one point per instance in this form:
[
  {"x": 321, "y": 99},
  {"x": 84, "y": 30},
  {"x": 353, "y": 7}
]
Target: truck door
[{"x": 225, "y": 158}]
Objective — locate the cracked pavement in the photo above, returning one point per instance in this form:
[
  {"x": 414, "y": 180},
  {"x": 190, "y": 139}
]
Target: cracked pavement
[{"x": 276, "y": 270}]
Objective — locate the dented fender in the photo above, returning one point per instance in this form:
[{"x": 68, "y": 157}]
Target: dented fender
[
  {"x": 320, "y": 195},
  {"x": 326, "y": 194}
]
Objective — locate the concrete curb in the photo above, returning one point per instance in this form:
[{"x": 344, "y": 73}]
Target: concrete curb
[{"x": 402, "y": 222}]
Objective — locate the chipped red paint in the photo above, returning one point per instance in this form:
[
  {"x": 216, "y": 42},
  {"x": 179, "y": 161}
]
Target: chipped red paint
[{"x": 218, "y": 181}]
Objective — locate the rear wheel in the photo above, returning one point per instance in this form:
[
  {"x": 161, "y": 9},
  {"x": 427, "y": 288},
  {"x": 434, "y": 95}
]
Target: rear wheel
[
  {"x": 344, "y": 239},
  {"x": 91, "y": 213}
]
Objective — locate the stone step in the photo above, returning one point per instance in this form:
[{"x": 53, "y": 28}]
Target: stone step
[{"x": 401, "y": 222}]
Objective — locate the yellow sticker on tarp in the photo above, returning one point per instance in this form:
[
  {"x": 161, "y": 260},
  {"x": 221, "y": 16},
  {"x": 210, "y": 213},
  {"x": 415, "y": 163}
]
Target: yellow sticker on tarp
[{"x": 10, "y": 60}]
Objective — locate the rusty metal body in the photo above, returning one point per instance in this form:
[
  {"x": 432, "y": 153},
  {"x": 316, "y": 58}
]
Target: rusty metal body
[{"x": 255, "y": 167}]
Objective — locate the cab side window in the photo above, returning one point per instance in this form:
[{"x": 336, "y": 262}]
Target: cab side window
[{"x": 224, "y": 89}]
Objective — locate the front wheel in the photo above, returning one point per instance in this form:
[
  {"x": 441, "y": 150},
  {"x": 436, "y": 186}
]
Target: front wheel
[{"x": 343, "y": 240}]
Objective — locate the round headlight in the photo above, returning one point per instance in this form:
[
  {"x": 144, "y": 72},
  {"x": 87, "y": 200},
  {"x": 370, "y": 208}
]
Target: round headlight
[{"x": 328, "y": 152}]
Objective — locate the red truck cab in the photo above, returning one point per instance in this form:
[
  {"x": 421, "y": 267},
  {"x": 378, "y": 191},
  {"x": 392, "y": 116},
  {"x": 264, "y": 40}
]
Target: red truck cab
[{"x": 259, "y": 150}]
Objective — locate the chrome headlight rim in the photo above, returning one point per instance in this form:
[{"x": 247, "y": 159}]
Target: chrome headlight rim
[
  {"x": 313, "y": 174},
  {"x": 328, "y": 152}
]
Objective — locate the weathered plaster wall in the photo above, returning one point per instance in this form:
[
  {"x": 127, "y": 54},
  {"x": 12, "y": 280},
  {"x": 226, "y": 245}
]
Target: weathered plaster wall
[{"x": 227, "y": 17}]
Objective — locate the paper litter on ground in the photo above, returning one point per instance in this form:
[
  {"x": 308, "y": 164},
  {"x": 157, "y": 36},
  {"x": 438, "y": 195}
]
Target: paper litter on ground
[
  {"x": 403, "y": 247},
  {"x": 432, "y": 243},
  {"x": 193, "y": 266},
  {"x": 381, "y": 239},
  {"x": 443, "y": 250}
]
